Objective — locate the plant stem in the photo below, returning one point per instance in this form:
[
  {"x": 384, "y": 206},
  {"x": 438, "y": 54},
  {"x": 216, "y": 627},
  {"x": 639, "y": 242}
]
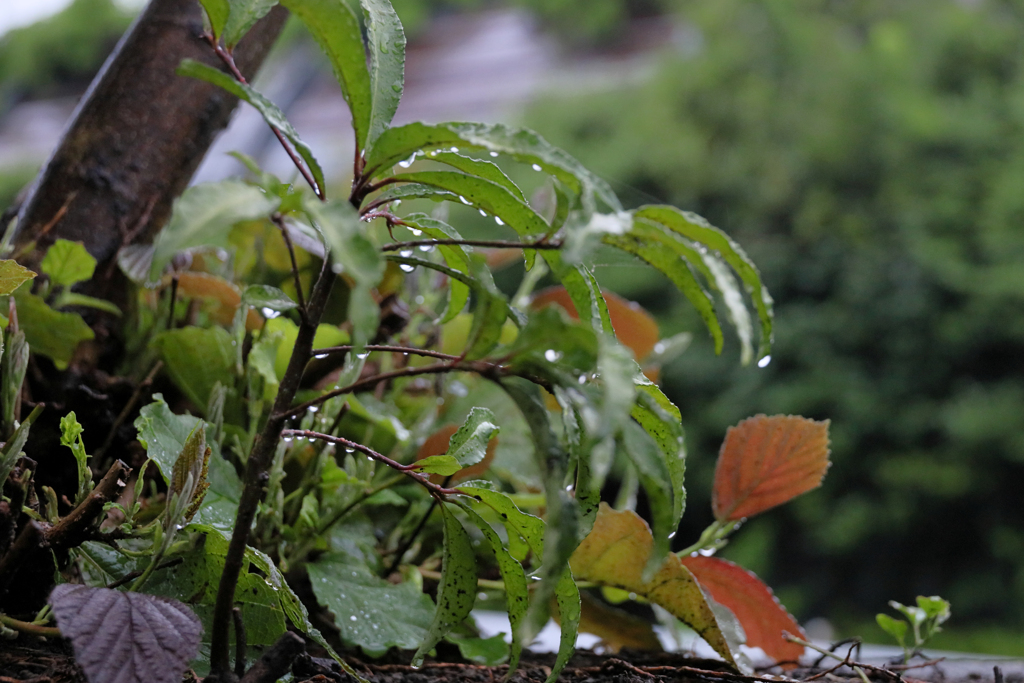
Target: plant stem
[
  {"x": 495, "y": 244},
  {"x": 279, "y": 222},
  {"x": 483, "y": 583},
  {"x": 412, "y": 350},
  {"x": 29, "y": 628}
]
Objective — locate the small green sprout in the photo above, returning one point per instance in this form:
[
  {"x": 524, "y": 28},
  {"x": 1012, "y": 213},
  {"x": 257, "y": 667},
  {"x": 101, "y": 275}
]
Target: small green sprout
[{"x": 925, "y": 621}]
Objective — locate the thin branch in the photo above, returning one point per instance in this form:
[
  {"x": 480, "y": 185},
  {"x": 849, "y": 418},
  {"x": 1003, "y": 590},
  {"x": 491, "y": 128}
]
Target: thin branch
[
  {"x": 407, "y": 470},
  {"x": 411, "y": 350},
  {"x": 279, "y": 222},
  {"x": 29, "y": 627},
  {"x": 229, "y": 61},
  {"x": 495, "y": 244}
]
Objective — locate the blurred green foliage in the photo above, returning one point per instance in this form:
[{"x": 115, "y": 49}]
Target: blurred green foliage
[{"x": 870, "y": 158}]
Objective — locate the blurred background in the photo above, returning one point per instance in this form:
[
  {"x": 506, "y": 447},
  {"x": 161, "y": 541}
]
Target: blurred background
[{"x": 868, "y": 155}]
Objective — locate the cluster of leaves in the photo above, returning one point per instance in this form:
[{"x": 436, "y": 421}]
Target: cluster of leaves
[
  {"x": 922, "y": 622},
  {"x": 863, "y": 155},
  {"x": 302, "y": 454}
]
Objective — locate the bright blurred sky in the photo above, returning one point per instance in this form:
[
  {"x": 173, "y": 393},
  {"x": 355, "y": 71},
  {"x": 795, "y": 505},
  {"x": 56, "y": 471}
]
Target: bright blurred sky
[{"x": 15, "y": 13}]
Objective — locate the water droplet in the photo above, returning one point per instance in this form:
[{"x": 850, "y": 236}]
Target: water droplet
[
  {"x": 270, "y": 313},
  {"x": 483, "y": 213},
  {"x": 463, "y": 200},
  {"x": 672, "y": 535},
  {"x": 494, "y": 154},
  {"x": 415, "y": 232},
  {"x": 406, "y": 253},
  {"x": 433, "y": 153},
  {"x": 397, "y": 87},
  {"x": 583, "y": 379},
  {"x": 455, "y": 149},
  {"x": 396, "y": 203},
  {"x": 407, "y": 268},
  {"x": 363, "y": 356},
  {"x": 481, "y": 596},
  {"x": 632, "y": 596},
  {"x": 427, "y": 247},
  {"x": 499, "y": 221},
  {"x": 406, "y": 163},
  {"x": 312, "y": 409},
  {"x": 763, "y": 363},
  {"x": 353, "y": 617},
  {"x": 419, "y": 299},
  {"x": 321, "y": 356},
  {"x": 569, "y": 487},
  {"x": 659, "y": 348},
  {"x": 551, "y": 355},
  {"x": 536, "y": 167}
]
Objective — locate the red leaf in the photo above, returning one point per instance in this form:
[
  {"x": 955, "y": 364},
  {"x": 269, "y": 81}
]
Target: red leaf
[
  {"x": 759, "y": 612},
  {"x": 766, "y": 461}
]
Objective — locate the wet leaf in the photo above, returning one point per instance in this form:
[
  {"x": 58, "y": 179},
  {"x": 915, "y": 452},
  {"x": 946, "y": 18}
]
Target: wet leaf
[
  {"x": 759, "y": 612},
  {"x": 445, "y": 465},
  {"x": 369, "y": 611},
  {"x": 387, "y": 64},
  {"x": 567, "y": 597},
  {"x": 335, "y": 27},
  {"x": 12, "y": 276},
  {"x": 224, "y": 294},
  {"x": 217, "y": 12},
  {"x": 615, "y": 627},
  {"x": 126, "y": 637},
  {"x": 67, "y": 263},
  {"x": 265, "y": 296},
  {"x": 197, "y": 359},
  {"x": 163, "y": 434},
  {"x": 766, "y": 461},
  {"x": 615, "y": 554},
  {"x": 244, "y": 14},
  {"x": 634, "y": 326},
  {"x": 530, "y": 528},
  {"x": 456, "y": 593},
  {"x": 49, "y": 332},
  {"x": 660, "y": 418},
  {"x": 476, "y": 167},
  {"x": 454, "y": 255}
]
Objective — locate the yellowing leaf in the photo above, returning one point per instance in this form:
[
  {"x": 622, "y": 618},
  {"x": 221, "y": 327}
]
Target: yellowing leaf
[
  {"x": 224, "y": 294},
  {"x": 615, "y": 553},
  {"x": 766, "y": 461},
  {"x": 12, "y": 276},
  {"x": 615, "y": 627}
]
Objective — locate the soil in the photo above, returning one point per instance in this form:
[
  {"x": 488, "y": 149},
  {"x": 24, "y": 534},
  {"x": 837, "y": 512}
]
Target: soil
[{"x": 52, "y": 662}]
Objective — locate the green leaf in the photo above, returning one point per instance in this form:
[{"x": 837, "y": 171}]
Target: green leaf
[
  {"x": 567, "y": 597},
  {"x": 271, "y": 114},
  {"x": 486, "y": 651},
  {"x": 445, "y": 465},
  {"x": 244, "y": 14},
  {"x": 204, "y": 215},
  {"x": 517, "y": 594},
  {"x": 521, "y": 144},
  {"x": 71, "y": 437},
  {"x": 369, "y": 611},
  {"x": 67, "y": 263},
  {"x": 736, "y": 310},
  {"x": 217, "y": 11},
  {"x": 694, "y": 227},
  {"x": 335, "y": 27},
  {"x": 12, "y": 449},
  {"x": 897, "y": 628},
  {"x": 468, "y": 445},
  {"x": 163, "y": 434},
  {"x": 456, "y": 593},
  {"x": 413, "y": 191},
  {"x": 353, "y": 254},
  {"x": 657, "y": 482},
  {"x": 476, "y": 167},
  {"x": 660, "y": 418},
  {"x": 67, "y": 298},
  {"x": 387, "y": 65},
  {"x": 49, "y": 332},
  {"x": 663, "y": 252},
  {"x": 489, "y": 314},
  {"x": 585, "y": 292},
  {"x": 265, "y": 296},
  {"x": 12, "y": 276},
  {"x": 486, "y": 195},
  {"x": 196, "y": 359},
  {"x": 14, "y": 364},
  {"x": 454, "y": 255},
  {"x": 530, "y": 528}
]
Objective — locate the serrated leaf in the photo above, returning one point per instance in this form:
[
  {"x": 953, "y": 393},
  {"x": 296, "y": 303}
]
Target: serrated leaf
[
  {"x": 654, "y": 476},
  {"x": 12, "y": 276},
  {"x": 454, "y": 255},
  {"x": 67, "y": 263},
  {"x": 584, "y": 291},
  {"x": 694, "y": 227},
  {"x": 217, "y": 12},
  {"x": 244, "y": 14},
  {"x": 736, "y": 310},
  {"x": 265, "y": 296},
  {"x": 660, "y": 418},
  {"x": 477, "y": 167},
  {"x": 766, "y": 461},
  {"x": 386, "y": 40},
  {"x": 615, "y": 554},
  {"x": 530, "y": 528},
  {"x": 335, "y": 27},
  {"x": 445, "y": 465},
  {"x": 456, "y": 593},
  {"x": 48, "y": 332},
  {"x": 521, "y": 144},
  {"x": 271, "y": 114},
  {"x": 385, "y": 614},
  {"x": 759, "y": 612},
  {"x": 486, "y": 195},
  {"x": 567, "y": 597},
  {"x": 197, "y": 359},
  {"x": 517, "y": 595},
  {"x": 469, "y": 444},
  {"x": 126, "y": 637},
  {"x": 163, "y": 434},
  {"x": 204, "y": 215}
]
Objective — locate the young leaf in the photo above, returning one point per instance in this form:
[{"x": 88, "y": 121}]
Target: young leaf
[
  {"x": 196, "y": 359},
  {"x": 369, "y": 611},
  {"x": 217, "y": 11},
  {"x": 517, "y": 595},
  {"x": 897, "y": 628},
  {"x": 71, "y": 437},
  {"x": 188, "y": 477},
  {"x": 67, "y": 263},
  {"x": 469, "y": 444},
  {"x": 759, "y": 612},
  {"x": 445, "y": 465},
  {"x": 335, "y": 27},
  {"x": 695, "y": 228},
  {"x": 766, "y": 461},
  {"x": 265, "y": 296},
  {"x": 49, "y": 332},
  {"x": 244, "y": 14},
  {"x": 204, "y": 215},
  {"x": 387, "y": 65},
  {"x": 615, "y": 554},
  {"x": 454, "y": 255},
  {"x": 486, "y": 195},
  {"x": 163, "y": 434},
  {"x": 126, "y": 637},
  {"x": 270, "y": 112},
  {"x": 12, "y": 276},
  {"x": 457, "y": 591}
]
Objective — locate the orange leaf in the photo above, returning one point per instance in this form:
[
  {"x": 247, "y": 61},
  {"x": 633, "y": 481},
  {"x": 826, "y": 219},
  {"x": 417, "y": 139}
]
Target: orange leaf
[
  {"x": 615, "y": 553},
  {"x": 766, "y": 461},
  {"x": 224, "y": 294},
  {"x": 437, "y": 444},
  {"x": 633, "y": 325},
  {"x": 759, "y": 612}
]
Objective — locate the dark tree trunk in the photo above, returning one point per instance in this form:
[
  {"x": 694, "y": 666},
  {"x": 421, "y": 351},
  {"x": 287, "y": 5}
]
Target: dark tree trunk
[{"x": 135, "y": 140}]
